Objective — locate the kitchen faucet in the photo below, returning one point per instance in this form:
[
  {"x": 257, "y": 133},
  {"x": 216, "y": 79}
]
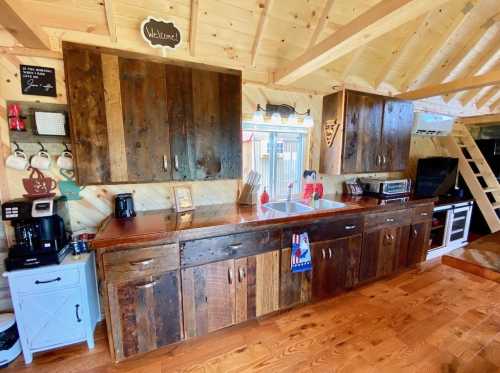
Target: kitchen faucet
[{"x": 289, "y": 195}]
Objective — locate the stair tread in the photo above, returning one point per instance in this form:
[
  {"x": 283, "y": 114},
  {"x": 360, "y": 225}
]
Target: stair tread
[{"x": 491, "y": 189}]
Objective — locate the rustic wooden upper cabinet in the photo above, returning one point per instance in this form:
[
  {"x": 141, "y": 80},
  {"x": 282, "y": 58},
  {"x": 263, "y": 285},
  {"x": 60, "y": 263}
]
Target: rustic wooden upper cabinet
[
  {"x": 364, "y": 132},
  {"x": 136, "y": 118}
]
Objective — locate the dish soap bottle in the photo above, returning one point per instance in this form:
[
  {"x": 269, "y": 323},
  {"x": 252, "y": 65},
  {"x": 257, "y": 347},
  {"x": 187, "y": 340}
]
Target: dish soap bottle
[{"x": 264, "y": 197}]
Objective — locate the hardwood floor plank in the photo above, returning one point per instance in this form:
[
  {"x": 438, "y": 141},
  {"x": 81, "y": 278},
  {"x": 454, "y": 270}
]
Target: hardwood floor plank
[{"x": 431, "y": 319}]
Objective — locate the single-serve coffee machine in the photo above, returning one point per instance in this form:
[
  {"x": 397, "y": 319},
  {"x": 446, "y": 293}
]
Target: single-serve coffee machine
[{"x": 41, "y": 229}]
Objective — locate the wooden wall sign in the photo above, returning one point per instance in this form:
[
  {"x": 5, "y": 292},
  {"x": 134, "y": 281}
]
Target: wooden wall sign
[
  {"x": 38, "y": 80},
  {"x": 160, "y": 34}
]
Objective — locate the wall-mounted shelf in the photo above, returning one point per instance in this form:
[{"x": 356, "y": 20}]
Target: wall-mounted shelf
[{"x": 30, "y": 135}]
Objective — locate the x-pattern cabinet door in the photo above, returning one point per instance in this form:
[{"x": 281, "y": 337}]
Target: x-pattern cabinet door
[{"x": 52, "y": 318}]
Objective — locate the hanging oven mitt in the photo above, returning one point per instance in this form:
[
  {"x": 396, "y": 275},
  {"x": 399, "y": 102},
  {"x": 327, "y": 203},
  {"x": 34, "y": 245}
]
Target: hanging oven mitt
[{"x": 301, "y": 253}]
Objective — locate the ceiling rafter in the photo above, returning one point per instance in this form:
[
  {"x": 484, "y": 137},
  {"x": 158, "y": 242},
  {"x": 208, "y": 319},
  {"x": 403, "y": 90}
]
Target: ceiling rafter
[
  {"x": 471, "y": 95},
  {"x": 399, "y": 51},
  {"x": 110, "y": 22},
  {"x": 29, "y": 52},
  {"x": 423, "y": 59},
  {"x": 323, "y": 18},
  {"x": 193, "y": 26},
  {"x": 486, "y": 97},
  {"x": 480, "y": 119},
  {"x": 383, "y": 17},
  {"x": 356, "y": 55},
  {"x": 491, "y": 78},
  {"x": 26, "y": 31},
  {"x": 443, "y": 70},
  {"x": 260, "y": 30}
]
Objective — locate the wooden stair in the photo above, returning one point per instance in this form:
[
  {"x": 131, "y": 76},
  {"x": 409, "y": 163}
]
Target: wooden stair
[{"x": 461, "y": 144}]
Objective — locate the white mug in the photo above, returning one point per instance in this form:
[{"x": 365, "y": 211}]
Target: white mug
[
  {"x": 17, "y": 160},
  {"x": 65, "y": 161},
  {"x": 41, "y": 160}
]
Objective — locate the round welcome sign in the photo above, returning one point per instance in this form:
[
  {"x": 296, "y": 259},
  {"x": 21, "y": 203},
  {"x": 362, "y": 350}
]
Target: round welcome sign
[{"x": 160, "y": 34}]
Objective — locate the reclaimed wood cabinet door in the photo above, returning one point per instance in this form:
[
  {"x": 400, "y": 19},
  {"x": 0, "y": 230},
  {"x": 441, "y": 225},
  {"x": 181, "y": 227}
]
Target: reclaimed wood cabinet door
[
  {"x": 88, "y": 126},
  {"x": 204, "y": 109},
  {"x": 295, "y": 288},
  {"x": 146, "y": 313},
  {"x": 257, "y": 285},
  {"x": 396, "y": 134},
  {"x": 208, "y": 297},
  {"x": 145, "y": 120},
  {"x": 380, "y": 253},
  {"x": 362, "y": 133},
  {"x": 418, "y": 243},
  {"x": 335, "y": 266}
]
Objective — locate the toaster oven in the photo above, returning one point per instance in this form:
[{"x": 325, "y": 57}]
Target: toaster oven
[{"x": 383, "y": 187}]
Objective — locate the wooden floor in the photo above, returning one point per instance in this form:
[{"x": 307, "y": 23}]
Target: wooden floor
[
  {"x": 437, "y": 319},
  {"x": 481, "y": 257}
]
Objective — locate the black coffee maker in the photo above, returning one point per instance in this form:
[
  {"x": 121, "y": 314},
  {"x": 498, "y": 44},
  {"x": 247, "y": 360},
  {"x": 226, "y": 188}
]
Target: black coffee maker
[{"x": 41, "y": 232}]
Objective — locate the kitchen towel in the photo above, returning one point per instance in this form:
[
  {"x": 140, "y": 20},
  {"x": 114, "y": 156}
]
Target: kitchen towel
[{"x": 301, "y": 253}]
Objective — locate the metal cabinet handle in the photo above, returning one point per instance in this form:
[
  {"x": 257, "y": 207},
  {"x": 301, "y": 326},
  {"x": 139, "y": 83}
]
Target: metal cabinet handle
[
  {"x": 329, "y": 253},
  {"x": 235, "y": 246},
  {"x": 165, "y": 163},
  {"x": 378, "y": 159},
  {"x": 77, "y": 307},
  {"x": 146, "y": 285},
  {"x": 384, "y": 160},
  {"x": 144, "y": 262},
  {"x": 176, "y": 162},
  {"x": 323, "y": 254},
  {"x": 424, "y": 214},
  {"x": 38, "y": 282},
  {"x": 241, "y": 274},
  {"x": 230, "y": 276},
  {"x": 392, "y": 237},
  {"x": 350, "y": 227},
  {"x": 415, "y": 233},
  {"x": 389, "y": 220}
]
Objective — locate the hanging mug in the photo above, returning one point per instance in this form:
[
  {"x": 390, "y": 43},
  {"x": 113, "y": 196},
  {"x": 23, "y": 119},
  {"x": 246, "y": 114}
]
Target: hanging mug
[
  {"x": 41, "y": 160},
  {"x": 65, "y": 161},
  {"x": 18, "y": 160}
]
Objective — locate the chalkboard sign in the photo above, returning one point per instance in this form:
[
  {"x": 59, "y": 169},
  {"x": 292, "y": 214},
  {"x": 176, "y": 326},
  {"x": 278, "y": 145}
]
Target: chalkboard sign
[
  {"x": 38, "y": 81},
  {"x": 160, "y": 33}
]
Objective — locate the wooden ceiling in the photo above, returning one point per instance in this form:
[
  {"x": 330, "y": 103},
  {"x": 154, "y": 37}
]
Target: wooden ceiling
[{"x": 392, "y": 46}]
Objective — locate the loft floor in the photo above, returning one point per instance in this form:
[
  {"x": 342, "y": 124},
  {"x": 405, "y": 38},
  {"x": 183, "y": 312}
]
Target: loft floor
[{"x": 433, "y": 319}]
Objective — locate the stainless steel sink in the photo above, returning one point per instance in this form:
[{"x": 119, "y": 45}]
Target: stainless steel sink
[
  {"x": 326, "y": 204},
  {"x": 288, "y": 207}
]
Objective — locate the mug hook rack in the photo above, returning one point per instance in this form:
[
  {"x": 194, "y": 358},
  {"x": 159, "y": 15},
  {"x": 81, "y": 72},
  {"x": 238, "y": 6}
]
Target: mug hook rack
[
  {"x": 18, "y": 148},
  {"x": 43, "y": 147},
  {"x": 66, "y": 148}
]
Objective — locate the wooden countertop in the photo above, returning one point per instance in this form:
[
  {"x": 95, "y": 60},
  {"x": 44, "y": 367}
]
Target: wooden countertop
[{"x": 168, "y": 226}]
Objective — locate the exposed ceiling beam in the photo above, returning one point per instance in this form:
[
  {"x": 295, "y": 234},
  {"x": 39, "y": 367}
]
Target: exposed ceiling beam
[
  {"x": 444, "y": 69},
  {"x": 193, "y": 26},
  {"x": 323, "y": 18},
  {"x": 474, "y": 93},
  {"x": 433, "y": 48},
  {"x": 383, "y": 17},
  {"x": 28, "y": 52},
  {"x": 108, "y": 9},
  {"x": 25, "y": 31},
  {"x": 491, "y": 78},
  {"x": 260, "y": 30},
  {"x": 480, "y": 119},
  {"x": 400, "y": 50},
  {"x": 352, "y": 62},
  {"x": 486, "y": 97}
]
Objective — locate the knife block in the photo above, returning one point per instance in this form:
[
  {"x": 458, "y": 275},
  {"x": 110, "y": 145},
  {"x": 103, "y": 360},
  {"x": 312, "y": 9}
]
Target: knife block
[{"x": 248, "y": 196}]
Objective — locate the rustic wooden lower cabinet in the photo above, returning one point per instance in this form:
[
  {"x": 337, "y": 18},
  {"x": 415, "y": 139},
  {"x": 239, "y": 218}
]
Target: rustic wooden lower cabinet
[{"x": 156, "y": 295}]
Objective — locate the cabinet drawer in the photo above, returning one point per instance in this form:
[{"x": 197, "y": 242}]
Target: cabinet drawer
[
  {"x": 421, "y": 214},
  {"x": 47, "y": 281},
  {"x": 387, "y": 219},
  {"x": 239, "y": 245},
  {"x": 127, "y": 264},
  {"x": 326, "y": 230}
]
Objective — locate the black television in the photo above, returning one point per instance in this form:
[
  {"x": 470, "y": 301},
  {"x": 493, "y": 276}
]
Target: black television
[{"x": 436, "y": 176}]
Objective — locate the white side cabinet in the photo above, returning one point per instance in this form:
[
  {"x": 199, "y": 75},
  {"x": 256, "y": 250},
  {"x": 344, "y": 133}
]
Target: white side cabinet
[{"x": 55, "y": 305}]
